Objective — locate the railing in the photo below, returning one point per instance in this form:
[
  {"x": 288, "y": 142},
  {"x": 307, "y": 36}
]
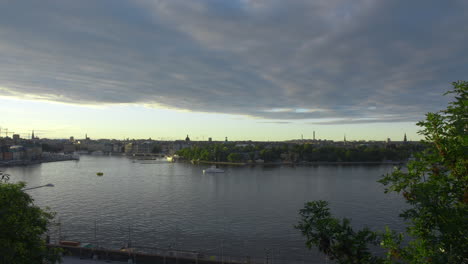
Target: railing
[{"x": 95, "y": 240}]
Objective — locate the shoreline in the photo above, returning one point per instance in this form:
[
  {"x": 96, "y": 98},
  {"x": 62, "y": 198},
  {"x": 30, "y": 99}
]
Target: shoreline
[
  {"x": 307, "y": 163},
  {"x": 21, "y": 163}
]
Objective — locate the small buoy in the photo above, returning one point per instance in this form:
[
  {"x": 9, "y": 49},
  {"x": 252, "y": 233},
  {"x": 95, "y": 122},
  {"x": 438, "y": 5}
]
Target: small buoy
[{"x": 99, "y": 174}]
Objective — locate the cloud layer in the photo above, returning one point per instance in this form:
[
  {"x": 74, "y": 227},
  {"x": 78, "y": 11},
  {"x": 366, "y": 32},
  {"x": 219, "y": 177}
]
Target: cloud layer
[{"x": 365, "y": 61}]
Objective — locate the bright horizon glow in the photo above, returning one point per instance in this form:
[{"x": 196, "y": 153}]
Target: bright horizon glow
[{"x": 60, "y": 120}]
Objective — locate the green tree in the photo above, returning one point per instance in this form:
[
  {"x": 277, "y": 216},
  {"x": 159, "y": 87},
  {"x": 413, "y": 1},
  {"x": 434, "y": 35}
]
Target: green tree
[
  {"x": 206, "y": 155},
  {"x": 435, "y": 186},
  {"x": 22, "y": 225},
  {"x": 234, "y": 157},
  {"x": 336, "y": 238}
]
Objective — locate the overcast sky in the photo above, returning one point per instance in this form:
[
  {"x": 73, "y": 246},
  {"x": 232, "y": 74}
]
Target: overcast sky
[{"x": 208, "y": 67}]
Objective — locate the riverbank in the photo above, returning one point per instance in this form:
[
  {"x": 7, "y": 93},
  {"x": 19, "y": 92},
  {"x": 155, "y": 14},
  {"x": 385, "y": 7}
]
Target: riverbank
[
  {"x": 132, "y": 256},
  {"x": 302, "y": 163},
  {"x": 12, "y": 163}
]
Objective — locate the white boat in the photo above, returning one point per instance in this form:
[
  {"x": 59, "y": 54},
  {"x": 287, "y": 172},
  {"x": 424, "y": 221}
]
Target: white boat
[
  {"x": 213, "y": 169},
  {"x": 172, "y": 158}
]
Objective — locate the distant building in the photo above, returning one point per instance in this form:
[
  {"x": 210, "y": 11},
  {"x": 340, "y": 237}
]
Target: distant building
[
  {"x": 69, "y": 148},
  {"x": 33, "y": 152},
  {"x": 108, "y": 148},
  {"x": 7, "y": 155},
  {"x": 117, "y": 148},
  {"x": 187, "y": 139},
  {"x": 18, "y": 152},
  {"x": 128, "y": 148},
  {"x": 3, "y": 153},
  {"x": 143, "y": 148}
]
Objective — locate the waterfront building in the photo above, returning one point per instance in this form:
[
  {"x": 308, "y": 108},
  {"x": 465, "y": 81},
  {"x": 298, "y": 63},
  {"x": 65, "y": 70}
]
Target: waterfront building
[
  {"x": 33, "y": 151},
  {"x": 143, "y": 148},
  {"x": 69, "y": 148},
  {"x": 7, "y": 155},
  {"x": 3, "y": 149},
  {"x": 18, "y": 152},
  {"x": 117, "y": 148},
  {"x": 95, "y": 146},
  {"x": 128, "y": 148},
  {"x": 108, "y": 147}
]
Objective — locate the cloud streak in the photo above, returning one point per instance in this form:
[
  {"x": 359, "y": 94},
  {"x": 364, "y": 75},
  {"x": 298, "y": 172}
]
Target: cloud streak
[{"x": 384, "y": 61}]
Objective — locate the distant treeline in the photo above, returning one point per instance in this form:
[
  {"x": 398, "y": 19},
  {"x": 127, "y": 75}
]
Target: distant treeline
[{"x": 229, "y": 152}]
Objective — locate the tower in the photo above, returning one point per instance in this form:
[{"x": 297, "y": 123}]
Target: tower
[
  {"x": 314, "y": 134},
  {"x": 404, "y": 139},
  {"x": 32, "y": 135}
]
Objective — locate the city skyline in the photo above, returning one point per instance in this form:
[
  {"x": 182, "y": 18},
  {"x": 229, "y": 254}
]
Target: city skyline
[{"x": 243, "y": 69}]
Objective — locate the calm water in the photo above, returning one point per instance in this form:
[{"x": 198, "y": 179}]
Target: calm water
[{"x": 245, "y": 211}]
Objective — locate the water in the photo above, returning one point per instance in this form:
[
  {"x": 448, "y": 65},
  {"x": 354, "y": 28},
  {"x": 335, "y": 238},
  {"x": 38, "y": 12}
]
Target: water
[{"x": 248, "y": 211}]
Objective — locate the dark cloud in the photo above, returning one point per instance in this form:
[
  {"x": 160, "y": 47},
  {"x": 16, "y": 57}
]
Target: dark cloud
[
  {"x": 362, "y": 121},
  {"x": 359, "y": 62},
  {"x": 275, "y": 122}
]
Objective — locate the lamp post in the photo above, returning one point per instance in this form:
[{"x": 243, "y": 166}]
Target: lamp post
[{"x": 46, "y": 185}]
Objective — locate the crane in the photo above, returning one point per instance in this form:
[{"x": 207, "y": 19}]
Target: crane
[{"x": 6, "y": 132}]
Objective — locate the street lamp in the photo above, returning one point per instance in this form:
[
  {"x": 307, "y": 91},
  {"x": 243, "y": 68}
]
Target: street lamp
[{"x": 46, "y": 185}]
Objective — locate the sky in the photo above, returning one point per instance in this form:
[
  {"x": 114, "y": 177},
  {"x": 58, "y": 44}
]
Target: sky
[{"x": 242, "y": 69}]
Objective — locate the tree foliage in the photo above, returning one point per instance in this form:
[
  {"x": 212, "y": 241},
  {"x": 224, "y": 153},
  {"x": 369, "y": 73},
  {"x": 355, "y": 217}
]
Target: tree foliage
[
  {"x": 435, "y": 186},
  {"x": 336, "y": 238},
  {"x": 301, "y": 152},
  {"x": 22, "y": 225}
]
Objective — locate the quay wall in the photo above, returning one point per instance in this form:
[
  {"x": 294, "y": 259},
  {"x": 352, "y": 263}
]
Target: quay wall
[
  {"x": 32, "y": 162},
  {"x": 304, "y": 163},
  {"x": 140, "y": 258}
]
